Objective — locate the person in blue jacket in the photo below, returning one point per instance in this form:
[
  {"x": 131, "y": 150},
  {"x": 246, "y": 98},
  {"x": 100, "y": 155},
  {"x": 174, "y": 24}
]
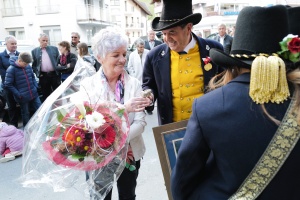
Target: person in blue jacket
[{"x": 20, "y": 80}]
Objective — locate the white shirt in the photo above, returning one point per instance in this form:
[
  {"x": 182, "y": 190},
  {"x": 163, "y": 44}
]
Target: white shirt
[
  {"x": 222, "y": 40},
  {"x": 11, "y": 53}
]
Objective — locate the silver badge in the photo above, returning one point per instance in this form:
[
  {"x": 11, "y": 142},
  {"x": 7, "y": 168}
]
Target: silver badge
[{"x": 207, "y": 47}]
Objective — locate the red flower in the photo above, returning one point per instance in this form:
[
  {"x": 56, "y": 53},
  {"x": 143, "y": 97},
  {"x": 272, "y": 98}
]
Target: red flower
[
  {"x": 106, "y": 138},
  {"x": 294, "y": 45},
  {"x": 206, "y": 60},
  {"x": 74, "y": 135}
]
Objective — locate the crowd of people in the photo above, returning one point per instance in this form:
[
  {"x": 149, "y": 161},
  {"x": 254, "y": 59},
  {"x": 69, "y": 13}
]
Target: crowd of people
[{"x": 239, "y": 93}]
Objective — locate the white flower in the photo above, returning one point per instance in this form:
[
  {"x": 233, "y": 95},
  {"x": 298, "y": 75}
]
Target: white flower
[
  {"x": 77, "y": 100},
  {"x": 289, "y": 36},
  {"x": 95, "y": 120}
]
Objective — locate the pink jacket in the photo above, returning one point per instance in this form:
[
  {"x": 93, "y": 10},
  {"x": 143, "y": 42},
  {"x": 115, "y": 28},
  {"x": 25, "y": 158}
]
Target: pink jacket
[{"x": 12, "y": 138}]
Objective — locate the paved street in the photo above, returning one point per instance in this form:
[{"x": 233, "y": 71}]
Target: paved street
[{"x": 150, "y": 181}]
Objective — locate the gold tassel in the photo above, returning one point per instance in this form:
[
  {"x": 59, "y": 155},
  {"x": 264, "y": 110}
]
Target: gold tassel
[{"x": 268, "y": 80}]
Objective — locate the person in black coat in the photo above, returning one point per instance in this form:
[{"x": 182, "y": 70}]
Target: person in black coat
[
  {"x": 222, "y": 37},
  {"x": 151, "y": 42},
  {"x": 66, "y": 61},
  {"x": 43, "y": 65},
  {"x": 11, "y": 50},
  {"x": 232, "y": 126}
]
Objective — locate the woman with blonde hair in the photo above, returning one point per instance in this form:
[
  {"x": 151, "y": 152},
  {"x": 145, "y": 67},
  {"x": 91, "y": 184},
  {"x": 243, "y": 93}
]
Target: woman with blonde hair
[{"x": 85, "y": 60}]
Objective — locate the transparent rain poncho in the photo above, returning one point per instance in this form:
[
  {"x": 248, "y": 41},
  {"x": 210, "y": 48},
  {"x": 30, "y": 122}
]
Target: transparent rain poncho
[{"x": 76, "y": 131}]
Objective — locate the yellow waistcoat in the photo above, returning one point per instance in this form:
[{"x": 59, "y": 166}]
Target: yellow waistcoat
[{"x": 187, "y": 82}]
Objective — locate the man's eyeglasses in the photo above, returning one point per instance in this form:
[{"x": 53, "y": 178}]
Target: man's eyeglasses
[{"x": 73, "y": 37}]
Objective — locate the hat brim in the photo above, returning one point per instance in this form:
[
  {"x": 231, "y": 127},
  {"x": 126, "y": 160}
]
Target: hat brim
[
  {"x": 162, "y": 25},
  {"x": 224, "y": 60}
]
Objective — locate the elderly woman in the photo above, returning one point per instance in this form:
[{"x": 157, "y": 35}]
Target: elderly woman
[
  {"x": 113, "y": 83},
  {"x": 137, "y": 59},
  {"x": 66, "y": 61},
  {"x": 85, "y": 60}
]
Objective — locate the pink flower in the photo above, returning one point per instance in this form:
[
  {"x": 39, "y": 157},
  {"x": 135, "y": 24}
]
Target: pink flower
[{"x": 106, "y": 138}]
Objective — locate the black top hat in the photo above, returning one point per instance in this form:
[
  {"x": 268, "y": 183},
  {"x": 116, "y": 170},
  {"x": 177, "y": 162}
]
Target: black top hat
[
  {"x": 175, "y": 13},
  {"x": 294, "y": 20},
  {"x": 258, "y": 31}
]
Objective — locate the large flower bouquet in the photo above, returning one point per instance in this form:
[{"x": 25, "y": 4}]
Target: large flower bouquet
[
  {"x": 87, "y": 136},
  {"x": 72, "y": 132}
]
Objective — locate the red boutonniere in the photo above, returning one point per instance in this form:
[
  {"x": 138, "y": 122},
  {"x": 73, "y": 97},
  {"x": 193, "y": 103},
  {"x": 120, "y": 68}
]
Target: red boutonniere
[{"x": 207, "y": 64}]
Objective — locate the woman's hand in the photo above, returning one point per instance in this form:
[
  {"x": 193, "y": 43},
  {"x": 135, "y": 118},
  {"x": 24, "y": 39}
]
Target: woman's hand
[{"x": 137, "y": 104}]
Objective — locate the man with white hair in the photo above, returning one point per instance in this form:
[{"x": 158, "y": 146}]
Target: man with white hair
[
  {"x": 44, "y": 63},
  {"x": 222, "y": 37},
  {"x": 151, "y": 42},
  {"x": 11, "y": 50}
]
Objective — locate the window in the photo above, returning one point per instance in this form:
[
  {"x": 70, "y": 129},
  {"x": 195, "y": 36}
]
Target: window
[
  {"x": 12, "y": 8},
  {"x": 54, "y": 33},
  {"x": 19, "y": 33},
  {"x": 47, "y": 6},
  {"x": 114, "y": 2}
]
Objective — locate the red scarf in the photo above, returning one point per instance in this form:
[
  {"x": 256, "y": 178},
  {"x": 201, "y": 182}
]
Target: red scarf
[{"x": 63, "y": 59}]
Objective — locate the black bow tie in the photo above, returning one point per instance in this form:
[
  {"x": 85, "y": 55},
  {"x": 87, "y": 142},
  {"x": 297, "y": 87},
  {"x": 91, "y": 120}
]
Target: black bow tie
[{"x": 182, "y": 52}]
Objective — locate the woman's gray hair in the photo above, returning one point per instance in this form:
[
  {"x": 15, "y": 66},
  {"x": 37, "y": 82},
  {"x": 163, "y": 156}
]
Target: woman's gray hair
[
  {"x": 108, "y": 40},
  {"x": 139, "y": 41}
]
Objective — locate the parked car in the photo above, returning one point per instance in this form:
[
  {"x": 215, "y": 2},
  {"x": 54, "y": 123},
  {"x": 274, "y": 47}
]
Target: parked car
[{"x": 211, "y": 36}]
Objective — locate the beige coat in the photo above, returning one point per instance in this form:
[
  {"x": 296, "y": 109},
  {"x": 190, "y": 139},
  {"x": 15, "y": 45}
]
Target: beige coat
[{"x": 136, "y": 119}]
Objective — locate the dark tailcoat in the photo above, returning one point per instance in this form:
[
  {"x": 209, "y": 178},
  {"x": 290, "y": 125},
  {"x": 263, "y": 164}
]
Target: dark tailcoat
[
  {"x": 229, "y": 124},
  {"x": 157, "y": 77}
]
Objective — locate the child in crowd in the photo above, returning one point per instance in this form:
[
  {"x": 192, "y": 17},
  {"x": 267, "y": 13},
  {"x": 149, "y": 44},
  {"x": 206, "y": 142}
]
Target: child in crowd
[
  {"x": 20, "y": 80},
  {"x": 11, "y": 142}
]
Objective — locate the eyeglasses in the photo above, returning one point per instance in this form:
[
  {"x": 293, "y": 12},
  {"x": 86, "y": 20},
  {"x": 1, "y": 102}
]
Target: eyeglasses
[{"x": 73, "y": 37}]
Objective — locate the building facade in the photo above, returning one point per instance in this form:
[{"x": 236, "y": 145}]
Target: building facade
[
  {"x": 215, "y": 12},
  {"x": 26, "y": 19}
]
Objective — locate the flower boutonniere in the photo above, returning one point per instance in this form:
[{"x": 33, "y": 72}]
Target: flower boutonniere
[
  {"x": 290, "y": 48},
  {"x": 207, "y": 64}
]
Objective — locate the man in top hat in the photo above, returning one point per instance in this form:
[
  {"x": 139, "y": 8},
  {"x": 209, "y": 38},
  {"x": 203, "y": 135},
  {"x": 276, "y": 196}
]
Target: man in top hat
[
  {"x": 178, "y": 71},
  {"x": 246, "y": 122}
]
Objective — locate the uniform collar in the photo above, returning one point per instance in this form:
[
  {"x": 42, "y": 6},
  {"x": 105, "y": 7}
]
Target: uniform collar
[{"x": 190, "y": 45}]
